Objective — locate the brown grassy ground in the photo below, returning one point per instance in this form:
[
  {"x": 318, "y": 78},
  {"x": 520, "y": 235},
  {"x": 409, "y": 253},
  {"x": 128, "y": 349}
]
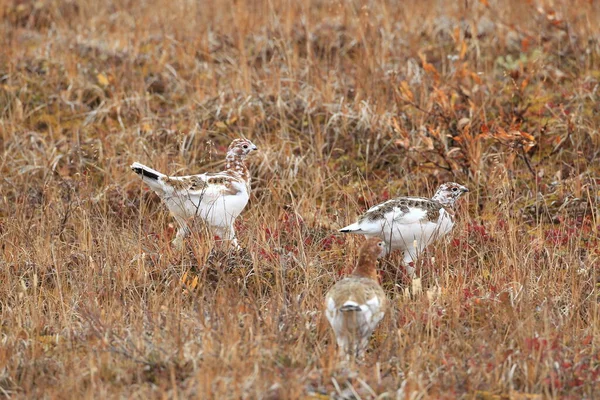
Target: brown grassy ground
[{"x": 350, "y": 103}]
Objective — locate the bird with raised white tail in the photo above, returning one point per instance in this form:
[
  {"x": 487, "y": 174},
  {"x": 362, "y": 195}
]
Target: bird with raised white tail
[
  {"x": 216, "y": 198},
  {"x": 410, "y": 224},
  {"x": 356, "y": 304}
]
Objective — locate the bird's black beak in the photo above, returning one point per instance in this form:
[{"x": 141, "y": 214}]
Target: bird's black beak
[{"x": 254, "y": 148}]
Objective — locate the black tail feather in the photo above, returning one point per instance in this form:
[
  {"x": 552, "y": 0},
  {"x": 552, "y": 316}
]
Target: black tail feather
[
  {"x": 143, "y": 172},
  {"x": 349, "y": 307}
]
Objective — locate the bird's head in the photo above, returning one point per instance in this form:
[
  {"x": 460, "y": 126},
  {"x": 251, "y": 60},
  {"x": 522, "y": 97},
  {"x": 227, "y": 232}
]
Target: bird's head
[
  {"x": 368, "y": 254},
  {"x": 373, "y": 248},
  {"x": 241, "y": 148},
  {"x": 449, "y": 192}
]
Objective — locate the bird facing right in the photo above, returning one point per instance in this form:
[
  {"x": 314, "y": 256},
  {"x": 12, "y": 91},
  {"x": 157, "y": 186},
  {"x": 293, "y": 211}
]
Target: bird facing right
[
  {"x": 216, "y": 198},
  {"x": 356, "y": 304},
  {"x": 410, "y": 223}
]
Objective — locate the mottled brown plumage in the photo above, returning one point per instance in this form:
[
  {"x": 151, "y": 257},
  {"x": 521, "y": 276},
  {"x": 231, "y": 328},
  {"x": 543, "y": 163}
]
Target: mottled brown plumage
[
  {"x": 186, "y": 183},
  {"x": 355, "y": 305},
  {"x": 196, "y": 184},
  {"x": 404, "y": 204}
]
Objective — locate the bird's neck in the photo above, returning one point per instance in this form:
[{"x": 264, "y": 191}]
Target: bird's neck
[
  {"x": 443, "y": 199},
  {"x": 235, "y": 165},
  {"x": 367, "y": 267}
]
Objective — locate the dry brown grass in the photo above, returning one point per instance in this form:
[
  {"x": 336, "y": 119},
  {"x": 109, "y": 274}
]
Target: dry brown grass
[{"x": 350, "y": 103}]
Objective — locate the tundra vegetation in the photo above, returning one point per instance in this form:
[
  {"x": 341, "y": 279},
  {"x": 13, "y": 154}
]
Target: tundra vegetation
[{"x": 350, "y": 103}]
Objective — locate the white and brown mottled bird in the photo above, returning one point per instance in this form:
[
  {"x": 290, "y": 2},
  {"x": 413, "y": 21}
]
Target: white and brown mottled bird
[
  {"x": 216, "y": 198},
  {"x": 410, "y": 223},
  {"x": 355, "y": 305}
]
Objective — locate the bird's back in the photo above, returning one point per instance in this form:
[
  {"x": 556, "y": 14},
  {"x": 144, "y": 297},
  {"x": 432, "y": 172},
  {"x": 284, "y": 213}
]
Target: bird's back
[
  {"x": 354, "y": 307},
  {"x": 217, "y": 198}
]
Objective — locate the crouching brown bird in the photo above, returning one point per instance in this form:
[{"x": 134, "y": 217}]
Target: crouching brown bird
[{"x": 355, "y": 305}]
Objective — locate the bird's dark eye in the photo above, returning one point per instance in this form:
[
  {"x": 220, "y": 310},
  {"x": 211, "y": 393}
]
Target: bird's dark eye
[
  {"x": 455, "y": 189},
  {"x": 245, "y": 146}
]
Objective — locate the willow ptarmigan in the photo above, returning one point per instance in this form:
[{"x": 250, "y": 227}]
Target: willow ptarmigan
[
  {"x": 410, "y": 223},
  {"x": 217, "y": 198},
  {"x": 355, "y": 305}
]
